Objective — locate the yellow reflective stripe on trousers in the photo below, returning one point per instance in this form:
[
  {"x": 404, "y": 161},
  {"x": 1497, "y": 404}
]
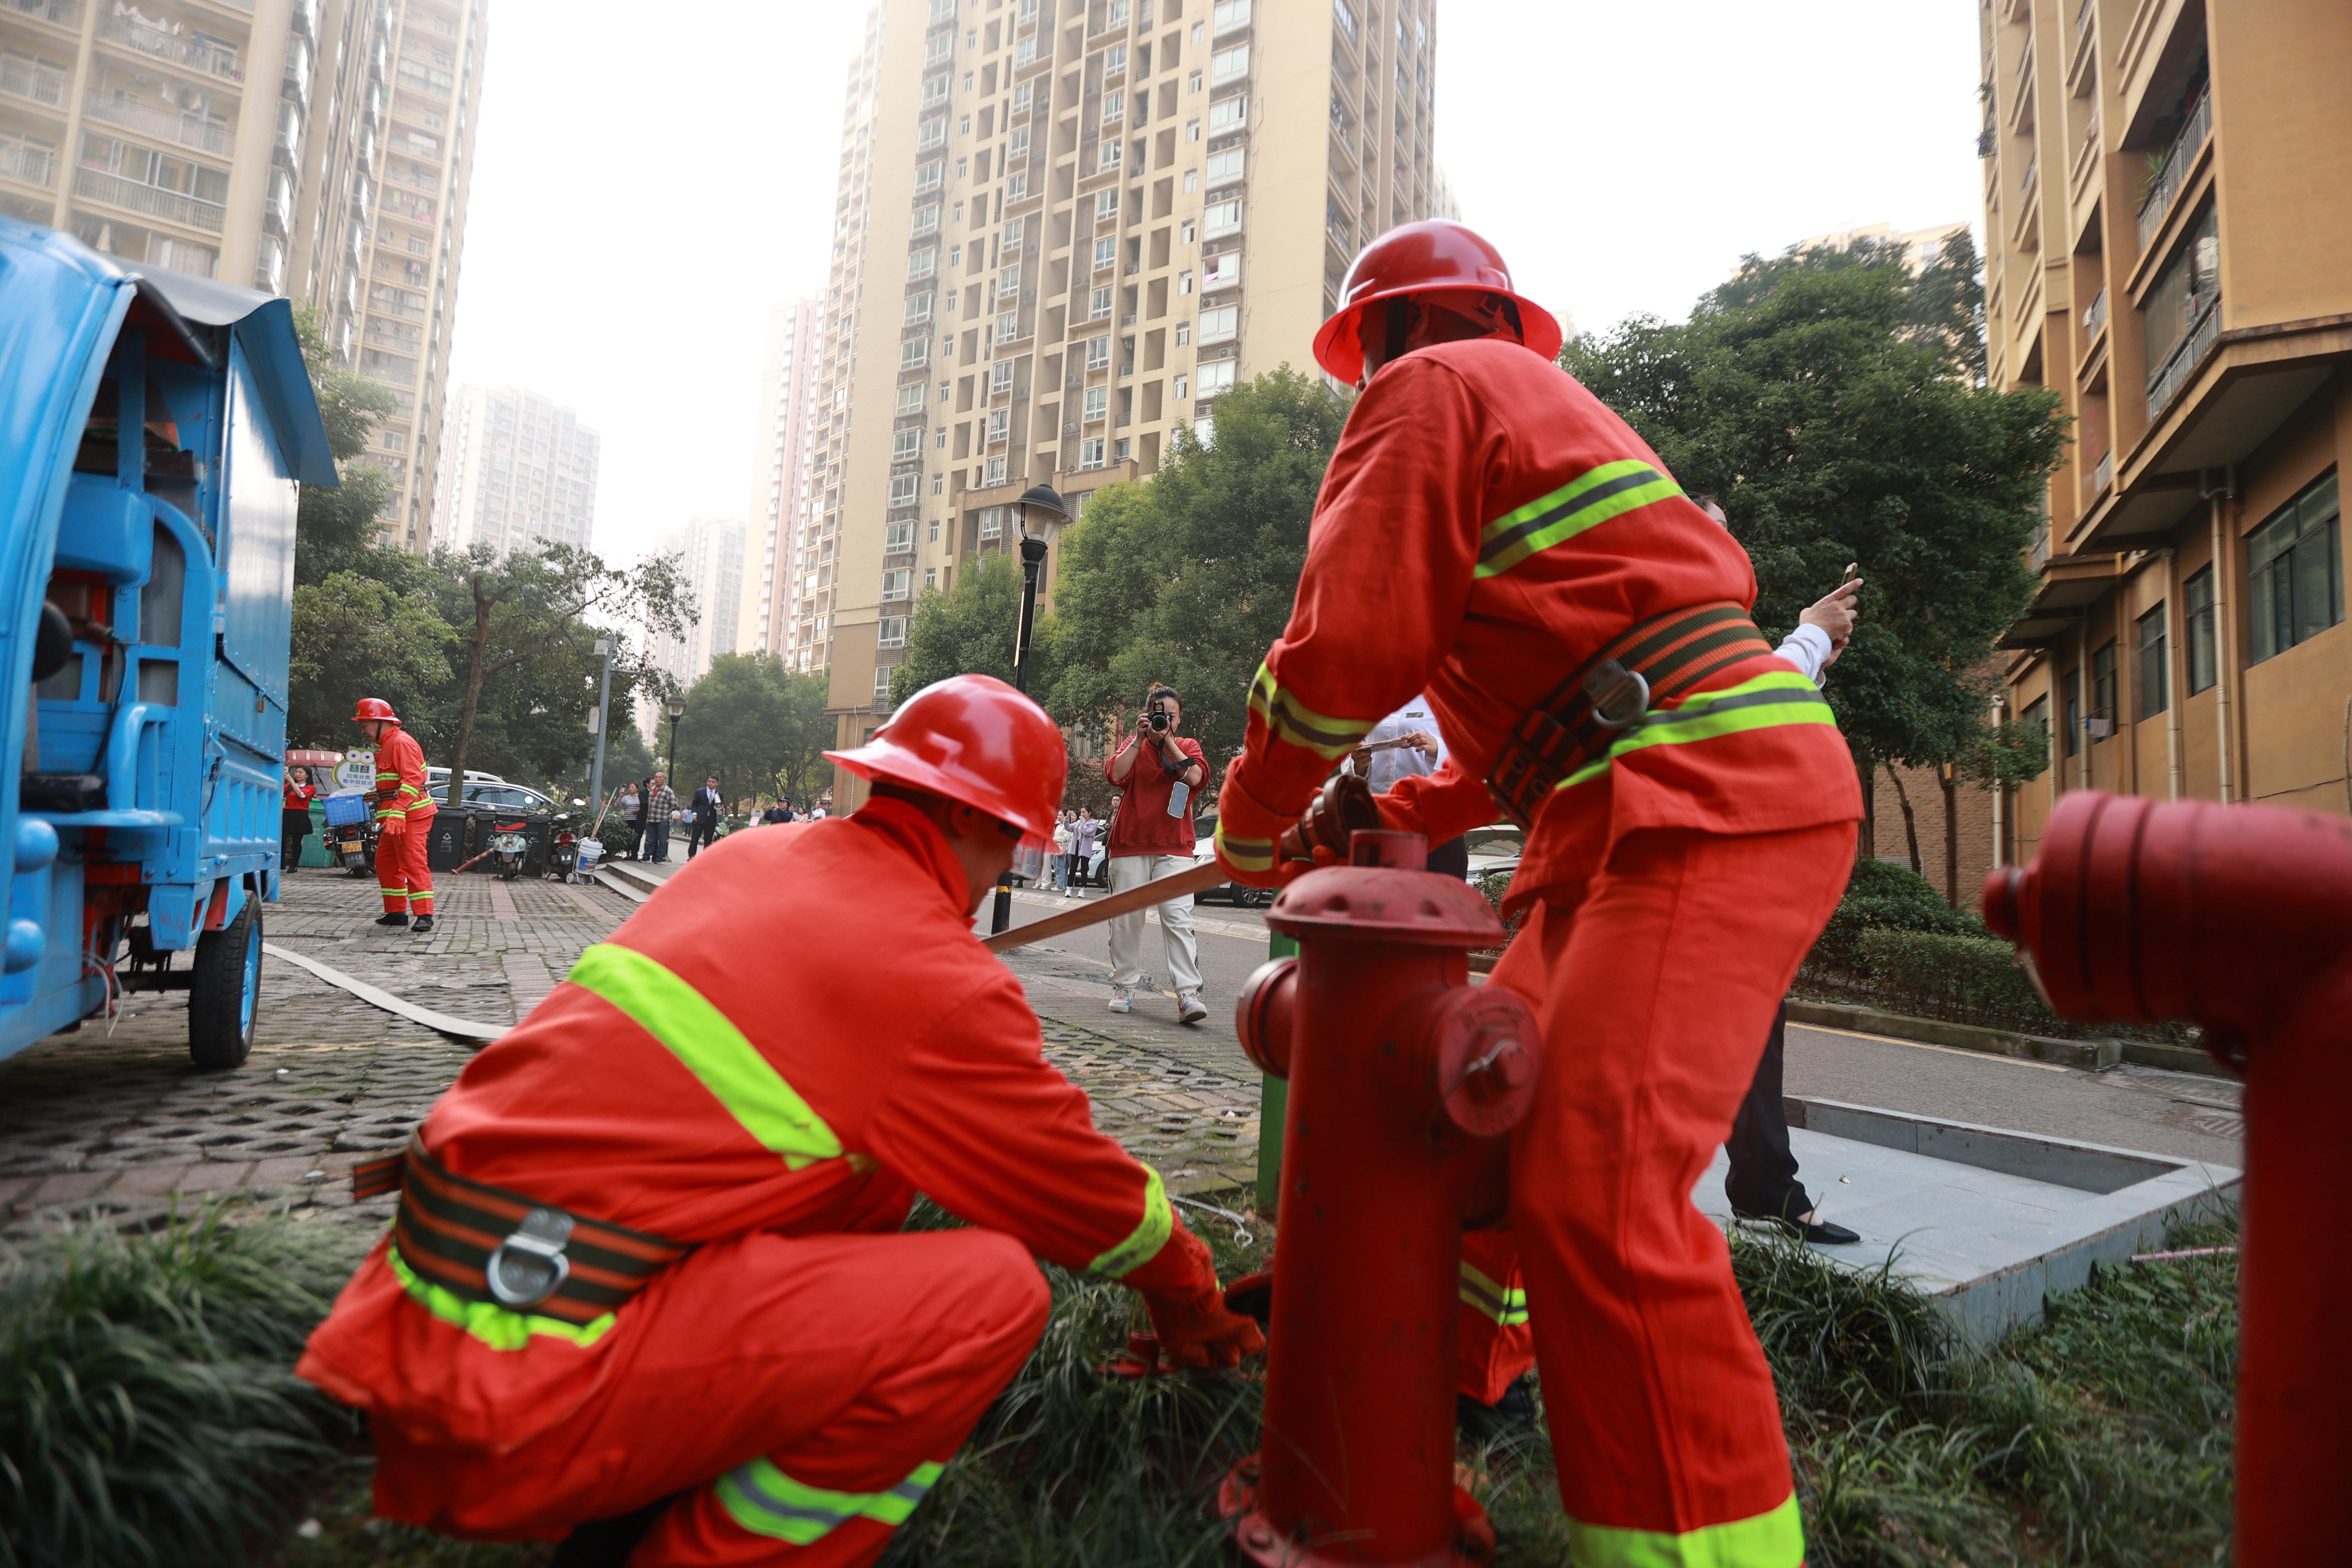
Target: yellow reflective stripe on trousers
[
  {"x": 766, "y": 1502},
  {"x": 1508, "y": 1308},
  {"x": 1782, "y": 697},
  {"x": 712, "y": 1049},
  {"x": 1144, "y": 1242},
  {"x": 1774, "y": 1539},
  {"x": 486, "y": 1321},
  {"x": 1590, "y": 500},
  {"x": 1290, "y": 719},
  {"x": 1249, "y": 854}
]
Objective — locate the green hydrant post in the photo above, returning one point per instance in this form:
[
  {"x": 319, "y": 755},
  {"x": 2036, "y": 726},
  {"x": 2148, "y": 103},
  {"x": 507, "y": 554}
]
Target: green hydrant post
[{"x": 1274, "y": 1099}]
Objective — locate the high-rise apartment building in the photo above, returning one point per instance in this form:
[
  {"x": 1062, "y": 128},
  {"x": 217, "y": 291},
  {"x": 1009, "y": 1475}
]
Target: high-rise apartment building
[
  {"x": 710, "y": 561},
  {"x": 517, "y": 469},
  {"x": 314, "y": 148},
  {"x": 2177, "y": 272},
  {"x": 1063, "y": 228},
  {"x": 774, "y": 550}
]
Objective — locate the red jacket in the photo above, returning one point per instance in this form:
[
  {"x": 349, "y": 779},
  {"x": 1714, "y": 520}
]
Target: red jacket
[
  {"x": 1485, "y": 526},
  {"x": 923, "y": 1069},
  {"x": 400, "y": 790}
]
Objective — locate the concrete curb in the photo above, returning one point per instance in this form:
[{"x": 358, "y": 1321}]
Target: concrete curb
[{"x": 2090, "y": 1056}]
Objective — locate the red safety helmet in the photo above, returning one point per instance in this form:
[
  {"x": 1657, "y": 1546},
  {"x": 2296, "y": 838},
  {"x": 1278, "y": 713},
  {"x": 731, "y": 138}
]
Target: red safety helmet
[
  {"x": 1434, "y": 256},
  {"x": 374, "y": 708},
  {"x": 975, "y": 739}
]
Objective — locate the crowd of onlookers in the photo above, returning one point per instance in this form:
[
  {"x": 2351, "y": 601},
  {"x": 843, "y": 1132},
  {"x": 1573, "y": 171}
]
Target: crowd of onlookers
[{"x": 652, "y": 812}]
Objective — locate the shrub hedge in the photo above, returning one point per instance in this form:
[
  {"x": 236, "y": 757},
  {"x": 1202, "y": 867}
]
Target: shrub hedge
[{"x": 1968, "y": 979}]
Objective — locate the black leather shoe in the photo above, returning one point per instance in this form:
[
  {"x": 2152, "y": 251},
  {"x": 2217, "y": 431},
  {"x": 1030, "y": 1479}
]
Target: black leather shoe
[
  {"x": 1814, "y": 1230},
  {"x": 423, "y": 923},
  {"x": 1512, "y": 1415},
  {"x": 392, "y": 919}
]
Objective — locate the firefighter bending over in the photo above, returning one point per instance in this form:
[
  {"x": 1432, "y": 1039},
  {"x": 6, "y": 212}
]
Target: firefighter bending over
[
  {"x": 403, "y": 817},
  {"x": 647, "y": 1275},
  {"x": 1490, "y": 534}
]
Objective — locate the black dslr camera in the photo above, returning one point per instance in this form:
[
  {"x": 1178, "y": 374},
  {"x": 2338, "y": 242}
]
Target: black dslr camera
[{"x": 1159, "y": 712}]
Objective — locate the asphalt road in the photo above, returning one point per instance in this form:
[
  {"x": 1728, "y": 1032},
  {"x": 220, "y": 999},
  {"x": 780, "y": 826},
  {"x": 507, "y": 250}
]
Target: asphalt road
[{"x": 2129, "y": 1107}]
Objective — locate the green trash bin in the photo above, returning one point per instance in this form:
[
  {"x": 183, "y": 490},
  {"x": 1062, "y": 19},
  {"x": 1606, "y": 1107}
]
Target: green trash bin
[{"x": 314, "y": 843}]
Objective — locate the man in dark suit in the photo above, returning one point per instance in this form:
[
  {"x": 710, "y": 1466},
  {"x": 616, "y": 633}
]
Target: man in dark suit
[{"x": 707, "y": 808}]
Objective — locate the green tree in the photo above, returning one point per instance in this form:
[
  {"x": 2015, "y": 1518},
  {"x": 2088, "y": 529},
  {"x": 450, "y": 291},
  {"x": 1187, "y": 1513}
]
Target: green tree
[
  {"x": 356, "y": 636},
  {"x": 1189, "y": 578},
  {"x": 757, "y": 725},
  {"x": 336, "y": 529},
  {"x": 525, "y": 651},
  {"x": 1828, "y": 401}
]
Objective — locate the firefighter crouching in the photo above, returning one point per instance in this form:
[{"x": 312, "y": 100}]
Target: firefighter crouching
[
  {"x": 1490, "y": 534},
  {"x": 647, "y": 1269},
  {"x": 403, "y": 817}
]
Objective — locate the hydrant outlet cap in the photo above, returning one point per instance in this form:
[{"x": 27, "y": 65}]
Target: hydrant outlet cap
[{"x": 1418, "y": 907}]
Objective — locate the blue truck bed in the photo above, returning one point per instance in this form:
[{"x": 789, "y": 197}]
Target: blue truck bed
[{"x": 153, "y": 430}]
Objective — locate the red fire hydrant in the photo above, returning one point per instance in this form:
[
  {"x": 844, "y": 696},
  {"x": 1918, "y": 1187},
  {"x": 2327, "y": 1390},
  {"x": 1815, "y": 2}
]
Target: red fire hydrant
[
  {"x": 2237, "y": 919},
  {"x": 1404, "y": 1078}
]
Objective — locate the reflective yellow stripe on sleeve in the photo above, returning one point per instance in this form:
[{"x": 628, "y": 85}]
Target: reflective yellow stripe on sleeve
[
  {"x": 1591, "y": 499},
  {"x": 1144, "y": 1242},
  {"x": 766, "y": 1502},
  {"x": 711, "y": 1048},
  {"x": 1290, "y": 719},
  {"x": 1249, "y": 854},
  {"x": 1774, "y": 1539}
]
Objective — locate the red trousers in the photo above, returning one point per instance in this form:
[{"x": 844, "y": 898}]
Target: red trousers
[
  {"x": 796, "y": 1395},
  {"x": 401, "y": 873},
  {"x": 1656, "y": 985}
]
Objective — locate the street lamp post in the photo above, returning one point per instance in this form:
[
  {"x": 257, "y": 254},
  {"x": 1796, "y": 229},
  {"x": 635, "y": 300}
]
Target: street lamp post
[
  {"x": 675, "y": 708},
  {"x": 1041, "y": 501},
  {"x": 604, "y": 718}
]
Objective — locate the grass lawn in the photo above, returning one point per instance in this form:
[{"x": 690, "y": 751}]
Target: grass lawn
[{"x": 146, "y": 1417}]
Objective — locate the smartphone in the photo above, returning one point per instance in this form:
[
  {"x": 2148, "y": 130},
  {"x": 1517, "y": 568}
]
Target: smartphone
[{"x": 1851, "y": 570}]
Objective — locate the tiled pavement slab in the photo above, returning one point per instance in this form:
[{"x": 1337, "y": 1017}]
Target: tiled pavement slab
[{"x": 124, "y": 1122}]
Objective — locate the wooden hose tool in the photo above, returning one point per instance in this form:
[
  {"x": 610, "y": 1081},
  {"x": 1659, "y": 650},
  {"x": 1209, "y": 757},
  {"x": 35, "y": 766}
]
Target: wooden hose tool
[{"x": 1345, "y": 805}]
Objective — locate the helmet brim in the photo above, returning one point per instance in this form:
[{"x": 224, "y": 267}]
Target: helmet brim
[
  {"x": 874, "y": 761},
  {"x": 1340, "y": 350}
]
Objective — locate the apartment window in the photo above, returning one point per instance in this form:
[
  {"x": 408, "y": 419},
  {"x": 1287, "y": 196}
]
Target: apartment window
[
  {"x": 1010, "y": 238},
  {"x": 927, "y": 220},
  {"x": 940, "y": 440},
  {"x": 1000, "y": 424},
  {"x": 905, "y": 445},
  {"x": 1228, "y": 114},
  {"x": 1008, "y": 282},
  {"x": 1097, "y": 403},
  {"x": 995, "y": 470},
  {"x": 2073, "y": 679},
  {"x": 1219, "y": 326},
  {"x": 919, "y": 308},
  {"x": 1099, "y": 305},
  {"x": 934, "y": 134},
  {"x": 2152, "y": 683},
  {"x": 1192, "y": 83},
  {"x": 898, "y": 537},
  {"x": 963, "y": 171},
  {"x": 893, "y": 632},
  {"x": 2295, "y": 572},
  {"x": 1090, "y": 453},
  {"x": 1106, "y": 254},
  {"x": 1221, "y": 271},
  {"x": 1222, "y": 219},
  {"x": 1008, "y": 326},
  {"x": 1184, "y": 334},
  {"x": 2197, "y": 620},
  {"x": 931, "y": 573},
  {"x": 910, "y": 399},
  {"x": 1118, "y": 18},
  {"x": 903, "y": 488},
  {"x": 955, "y": 255},
  {"x": 1021, "y": 95},
  {"x": 992, "y": 524},
  {"x": 1215, "y": 377},
  {"x": 1024, "y": 53},
  {"x": 2103, "y": 691},
  {"x": 1114, "y": 107},
  {"x": 922, "y": 264},
  {"x": 1114, "y": 60},
  {"x": 1183, "y": 282},
  {"x": 1180, "y": 386},
  {"x": 1106, "y": 205},
  {"x": 914, "y": 353},
  {"x": 1018, "y": 147},
  {"x": 1225, "y": 165},
  {"x": 898, "y": 584},
  {"x": 1110, "y": 159},
  {"x": 938, "y": 482},
  {"x": 943, "y": 392},
  {"x": 1231, "y": 14},
  {"x": 935, "y": 90},
  {"x": 1345, "y": 15}
]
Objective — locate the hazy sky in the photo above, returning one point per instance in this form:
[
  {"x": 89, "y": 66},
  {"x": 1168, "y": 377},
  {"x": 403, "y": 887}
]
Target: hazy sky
[{"x": 642, "y": 194}]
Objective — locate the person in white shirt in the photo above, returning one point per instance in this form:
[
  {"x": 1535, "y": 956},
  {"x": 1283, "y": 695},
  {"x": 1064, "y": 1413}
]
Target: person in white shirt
[
  {"x": 1062, "y": 839},
  {"x": 1419, "y": 750}
]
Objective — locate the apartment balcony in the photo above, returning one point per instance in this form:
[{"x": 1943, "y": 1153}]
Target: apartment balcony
[
  {"x": 2095, "y": 320},
  {"x": 2178, "y": 158},
  {"x": 32, "y": 83},
  {"x": 2167, "y": 381},
  {"x": 20, "y": 160},
  {"x": 201, "y": 55},
  {"x": 66, "y": 14},
  {"x": 2103, "y": 472},
  {"x": 149, "y": 200},
  {"x": 187, "y": 130}
]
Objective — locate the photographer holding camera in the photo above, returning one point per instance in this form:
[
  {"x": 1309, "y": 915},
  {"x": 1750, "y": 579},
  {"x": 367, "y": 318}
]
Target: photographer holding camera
[{"x": 1152, "y": 837}]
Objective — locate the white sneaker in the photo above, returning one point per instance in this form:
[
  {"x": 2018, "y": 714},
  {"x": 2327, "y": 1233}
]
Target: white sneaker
[
  {"x": 1123, "y": 1000},
  {"x": 1188, "y": 1007}
]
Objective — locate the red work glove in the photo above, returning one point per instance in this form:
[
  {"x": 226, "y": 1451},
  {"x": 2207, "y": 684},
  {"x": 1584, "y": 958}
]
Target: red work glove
[
  {"x": 1198, "y": 1333},
  {"x": 386, "y": 826}
]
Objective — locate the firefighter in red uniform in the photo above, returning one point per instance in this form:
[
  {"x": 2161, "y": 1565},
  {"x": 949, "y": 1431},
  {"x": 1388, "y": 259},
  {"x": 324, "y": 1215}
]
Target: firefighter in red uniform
[
  {"x": 1490, "y": 534},
  {"x": 648, "y": 1271},
  {"x": 403, "y": 817}
]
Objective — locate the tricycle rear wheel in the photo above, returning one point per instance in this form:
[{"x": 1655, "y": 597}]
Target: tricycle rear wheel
[{"x": 224, "y": 992}]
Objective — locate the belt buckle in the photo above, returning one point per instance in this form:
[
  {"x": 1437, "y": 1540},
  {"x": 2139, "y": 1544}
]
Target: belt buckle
[
  {"x": 1620, "y": 697},
  {"x": 529, "y": 1265}
]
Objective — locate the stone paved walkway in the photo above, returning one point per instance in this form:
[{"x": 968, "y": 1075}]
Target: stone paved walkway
[{"x": 125, "y": 1125}]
